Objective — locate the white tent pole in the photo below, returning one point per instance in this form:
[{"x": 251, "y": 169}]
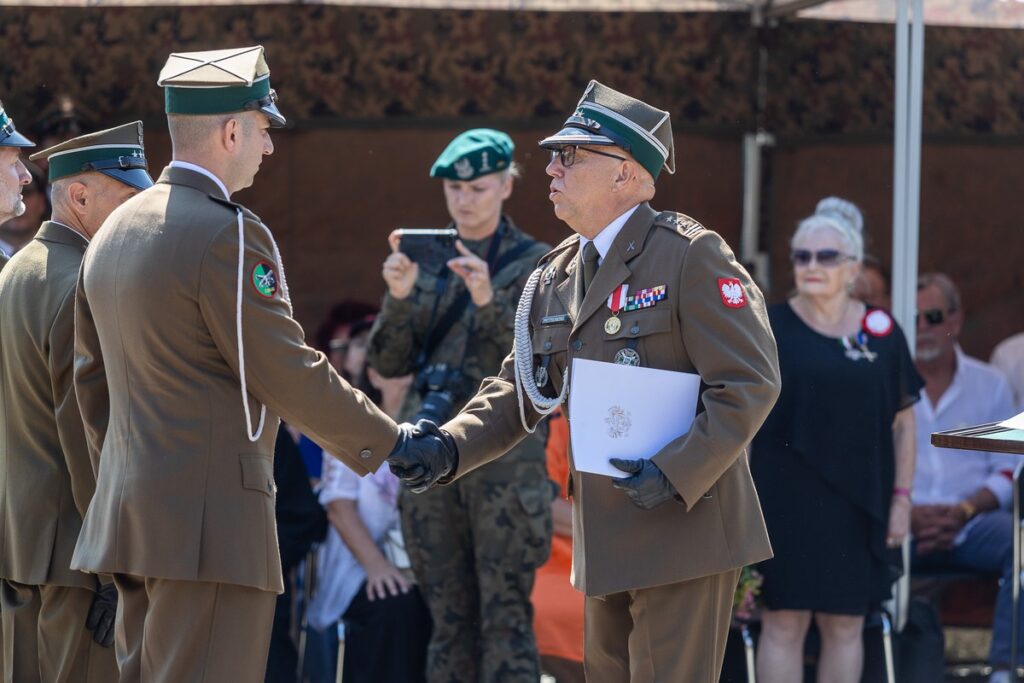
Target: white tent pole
[
  {"x": 900, "y": 306},
  {"x": 913, "y": 206}
]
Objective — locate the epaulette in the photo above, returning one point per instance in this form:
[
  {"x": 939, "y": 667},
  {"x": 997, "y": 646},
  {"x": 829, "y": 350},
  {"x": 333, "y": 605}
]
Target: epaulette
[
  {"x": 679, "y": 223},
  {"x": 562, "y": 246},
  {"x": 234, "y": 206}
]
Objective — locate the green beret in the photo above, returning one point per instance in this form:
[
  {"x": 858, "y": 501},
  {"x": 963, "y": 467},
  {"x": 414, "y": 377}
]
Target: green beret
[
  {"x": 475, "y": 153},
  {"x": 604, "y": 117}
]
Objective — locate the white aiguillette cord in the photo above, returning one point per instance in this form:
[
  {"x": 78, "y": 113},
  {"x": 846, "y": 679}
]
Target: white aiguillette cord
[
  {"x": 525, "y": 382},
  {"x": 253, "y": 436}
]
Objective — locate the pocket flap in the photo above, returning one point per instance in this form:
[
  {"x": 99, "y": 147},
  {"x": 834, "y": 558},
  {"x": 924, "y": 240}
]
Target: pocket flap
[
  {"x": 550, "y": 339},
  {"x": 258, "y": 473},
  {"x": 643, "y": 322}
]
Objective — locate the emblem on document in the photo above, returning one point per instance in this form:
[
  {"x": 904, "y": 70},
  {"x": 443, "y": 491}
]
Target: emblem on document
[{"x": 619, "y": 422}]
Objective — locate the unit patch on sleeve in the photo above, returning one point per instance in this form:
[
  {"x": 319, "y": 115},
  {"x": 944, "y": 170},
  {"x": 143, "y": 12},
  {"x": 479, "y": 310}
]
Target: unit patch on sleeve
[
  {"x": 264, "y": 279},
  {"x": 732, "y": 292}
]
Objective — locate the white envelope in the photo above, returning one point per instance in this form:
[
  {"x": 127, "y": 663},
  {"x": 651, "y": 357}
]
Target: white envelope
[{"x": 621, "y": 411}]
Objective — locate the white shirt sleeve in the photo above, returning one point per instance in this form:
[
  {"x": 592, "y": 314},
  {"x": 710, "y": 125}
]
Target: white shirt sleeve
[{"x": 337, "y": 481}]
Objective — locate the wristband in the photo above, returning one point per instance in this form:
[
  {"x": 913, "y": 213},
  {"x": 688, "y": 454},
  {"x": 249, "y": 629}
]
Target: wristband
[
  {"x": 969, "y": 510},
  {"x": 900, "y": 491}
]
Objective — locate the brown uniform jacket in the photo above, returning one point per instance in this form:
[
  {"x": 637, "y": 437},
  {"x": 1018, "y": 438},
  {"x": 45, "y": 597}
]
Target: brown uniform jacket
[
  {"x": 181, "y": 491},
  {"x": 46, "y": 480},
  {"x": 718, "y": 526}
]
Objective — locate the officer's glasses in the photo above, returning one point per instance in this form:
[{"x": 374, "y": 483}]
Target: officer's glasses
[
  {"x": 826, "y": 258},
  {"x": 567, "y": 155}
]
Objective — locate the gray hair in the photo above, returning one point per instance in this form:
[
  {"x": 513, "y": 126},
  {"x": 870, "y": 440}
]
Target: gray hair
[
  {"x": 841, "y": 216},
  {"x": 945, "y": 284}
]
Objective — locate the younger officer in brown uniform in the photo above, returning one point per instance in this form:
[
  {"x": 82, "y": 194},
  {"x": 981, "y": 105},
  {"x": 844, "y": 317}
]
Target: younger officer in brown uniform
[
  {"x": 184, "y": 343},
  {"x": 657, "y": 551},
  {"x": 13, "y": 174},
  {"x": 46, "y": 480},
  {"x": 474, "y": 546}
]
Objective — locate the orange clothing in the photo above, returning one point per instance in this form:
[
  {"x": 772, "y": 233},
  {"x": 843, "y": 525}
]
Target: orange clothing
[{"x": 558, "y": 607}]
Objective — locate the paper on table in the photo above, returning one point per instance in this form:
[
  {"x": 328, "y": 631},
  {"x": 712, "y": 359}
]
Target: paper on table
[
  {"x": 1015, "y": 422},
  {"x": 620, "y": 411}
]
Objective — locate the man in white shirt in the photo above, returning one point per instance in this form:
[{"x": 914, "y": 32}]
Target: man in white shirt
[
  {"x": 960, "y": 517},
  {"x": 1009, "y": 358}
]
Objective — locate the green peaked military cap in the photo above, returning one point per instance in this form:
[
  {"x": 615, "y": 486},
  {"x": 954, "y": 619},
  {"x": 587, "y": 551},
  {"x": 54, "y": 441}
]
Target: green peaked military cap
[
  {"x": 605, "y": 117},
  {"x": 116, "y": 152},
  {"x": 219, "y": 82},
  {"x": 474, "y": 153},
  {"x": 9, "y": 137}
]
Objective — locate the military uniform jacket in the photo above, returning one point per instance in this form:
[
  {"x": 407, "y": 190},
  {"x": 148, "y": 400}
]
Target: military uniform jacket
[
  {"x": 46, "y": 480},
  {"x": 701, "y": 326},
  {"x": 182, "y": 493},
  {"x": 482, "y": 335}
]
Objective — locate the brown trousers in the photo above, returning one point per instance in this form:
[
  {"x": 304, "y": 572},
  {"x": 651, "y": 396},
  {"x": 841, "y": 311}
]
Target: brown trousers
[
  {"x": 45, "y": 639},
  {"x": 665, "y": 634},
  {"x": 191, "y": 631}
]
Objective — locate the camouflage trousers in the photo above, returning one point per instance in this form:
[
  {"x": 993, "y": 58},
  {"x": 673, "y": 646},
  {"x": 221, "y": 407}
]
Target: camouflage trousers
[{"x": 475, "y": 546}]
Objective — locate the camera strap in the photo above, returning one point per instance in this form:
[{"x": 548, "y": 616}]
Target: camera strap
[{"x": 454, "y": 313}]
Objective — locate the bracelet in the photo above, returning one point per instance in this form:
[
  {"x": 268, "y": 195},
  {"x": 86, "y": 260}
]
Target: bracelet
[
  {"x": 900, "y": 491},
  {"x": 968, "y": 509}
]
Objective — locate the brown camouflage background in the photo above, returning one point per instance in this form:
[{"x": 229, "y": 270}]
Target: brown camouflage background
[{"x": 374, "y": 94}]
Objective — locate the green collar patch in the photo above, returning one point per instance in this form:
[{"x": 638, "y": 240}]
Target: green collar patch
[{"x": 264, "y": 279}]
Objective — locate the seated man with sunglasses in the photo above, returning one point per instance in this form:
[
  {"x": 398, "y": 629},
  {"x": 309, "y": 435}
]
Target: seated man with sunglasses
[{"x": 960, "y": 519}]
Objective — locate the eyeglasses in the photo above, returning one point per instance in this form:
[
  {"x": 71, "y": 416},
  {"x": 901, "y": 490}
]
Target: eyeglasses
[
  {"x": 567, "y": 154},
  {"x": 824, "y": 257},
  {"x": 933, "y": 316}
]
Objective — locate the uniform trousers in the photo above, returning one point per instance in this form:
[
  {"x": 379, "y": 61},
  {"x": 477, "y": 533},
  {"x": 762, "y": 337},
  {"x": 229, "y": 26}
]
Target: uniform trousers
[
  {"x": 664, "y": 634},
  {"x": 475, "y": 546},
  {"x": 45, "y": 639},
  {"x": 171, "y": 631}
]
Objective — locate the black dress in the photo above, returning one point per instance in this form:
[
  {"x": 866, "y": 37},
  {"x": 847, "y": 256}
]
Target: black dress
[{"x": 824, "y": 463}]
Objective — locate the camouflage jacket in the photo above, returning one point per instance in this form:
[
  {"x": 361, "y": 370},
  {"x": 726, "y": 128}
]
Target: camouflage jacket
[{"x": 478, "y": 341}]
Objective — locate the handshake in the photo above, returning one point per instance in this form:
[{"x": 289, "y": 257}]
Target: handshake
[{"x": 423, "y": 456}]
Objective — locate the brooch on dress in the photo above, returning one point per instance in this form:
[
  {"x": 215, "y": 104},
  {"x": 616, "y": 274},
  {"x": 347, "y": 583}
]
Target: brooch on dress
[{"x": 861, "y": 350}]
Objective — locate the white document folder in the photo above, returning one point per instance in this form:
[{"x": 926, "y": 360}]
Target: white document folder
[{"x": 621, "y": 411}]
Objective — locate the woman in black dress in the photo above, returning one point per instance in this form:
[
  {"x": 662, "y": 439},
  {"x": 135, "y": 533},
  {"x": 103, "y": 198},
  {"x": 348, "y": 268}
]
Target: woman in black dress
[{"x": 834, "y": 461}]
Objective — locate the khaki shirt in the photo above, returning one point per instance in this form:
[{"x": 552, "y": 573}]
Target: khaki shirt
[
  {"x": 46, "y": 480},
  {"x": 698, "y": 328},
  {"x": 182, "y": 492}
]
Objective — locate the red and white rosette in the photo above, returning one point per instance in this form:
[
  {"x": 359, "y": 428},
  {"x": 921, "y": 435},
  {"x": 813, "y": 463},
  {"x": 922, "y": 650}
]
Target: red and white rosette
[{"x": 877, "y": 323}]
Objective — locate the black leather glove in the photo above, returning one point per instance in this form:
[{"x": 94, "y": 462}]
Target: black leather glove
[
  {"x": 100, "y": 619},
  {"x": 423, "y": 455},
  {"x": 648, "y": 486}
]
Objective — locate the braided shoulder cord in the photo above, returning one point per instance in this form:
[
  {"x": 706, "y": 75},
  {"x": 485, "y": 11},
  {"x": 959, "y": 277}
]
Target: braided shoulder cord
[{"x": 525, "y": 382}]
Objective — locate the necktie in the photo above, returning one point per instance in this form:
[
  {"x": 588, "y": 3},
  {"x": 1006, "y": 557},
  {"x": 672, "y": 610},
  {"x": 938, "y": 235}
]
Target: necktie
[{"x": 590, "y": 257}]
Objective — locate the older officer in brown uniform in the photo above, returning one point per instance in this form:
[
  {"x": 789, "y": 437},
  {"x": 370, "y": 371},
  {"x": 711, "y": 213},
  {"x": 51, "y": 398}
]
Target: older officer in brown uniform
[
  {"x": 13, "y": 174},
  {"x": 184, "y": 329},
  {"x": 657, "y": 551},
  {"x": 46, "y": 480}
]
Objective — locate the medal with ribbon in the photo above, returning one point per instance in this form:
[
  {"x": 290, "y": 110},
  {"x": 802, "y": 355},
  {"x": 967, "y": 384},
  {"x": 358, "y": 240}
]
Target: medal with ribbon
[{"x": 617, "y": 301}]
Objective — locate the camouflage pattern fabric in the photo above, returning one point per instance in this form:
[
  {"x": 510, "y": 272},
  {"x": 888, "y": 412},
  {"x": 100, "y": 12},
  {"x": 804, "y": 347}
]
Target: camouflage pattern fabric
[{"x": 475, "y": 545}]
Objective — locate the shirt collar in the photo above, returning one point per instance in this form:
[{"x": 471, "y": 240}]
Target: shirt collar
[
  {"x": 199, "y": 169},
  {"x": 604, "y": 239},
  {"x": 70, "y": 228}
]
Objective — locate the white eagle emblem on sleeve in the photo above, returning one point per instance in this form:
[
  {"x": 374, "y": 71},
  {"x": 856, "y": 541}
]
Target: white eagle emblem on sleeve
[{"x": 732, "y": 292}]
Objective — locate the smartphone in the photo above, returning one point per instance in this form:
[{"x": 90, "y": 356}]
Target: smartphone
[{"x": 432, "y": 246}]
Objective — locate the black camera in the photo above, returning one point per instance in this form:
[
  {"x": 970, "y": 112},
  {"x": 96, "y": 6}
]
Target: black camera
[{"x": 440, "y": 386}]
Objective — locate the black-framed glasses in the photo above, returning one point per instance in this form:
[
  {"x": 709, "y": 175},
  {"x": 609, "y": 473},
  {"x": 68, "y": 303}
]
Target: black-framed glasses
[
  {"x": 567, "y": 154},
  {"x": 826, "y": 258},
  {"x": 933, "y": 316}
]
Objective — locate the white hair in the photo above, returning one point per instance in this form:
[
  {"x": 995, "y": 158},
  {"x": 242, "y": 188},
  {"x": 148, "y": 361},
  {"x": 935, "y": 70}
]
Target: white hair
[{"x": 841, "y": 216}]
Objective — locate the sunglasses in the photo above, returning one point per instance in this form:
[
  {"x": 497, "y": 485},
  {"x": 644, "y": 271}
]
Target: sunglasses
[
  {"x": 824, "y": 257},
  {"x": 933, "y": 316},
  {"x": 567, "y": 155}
]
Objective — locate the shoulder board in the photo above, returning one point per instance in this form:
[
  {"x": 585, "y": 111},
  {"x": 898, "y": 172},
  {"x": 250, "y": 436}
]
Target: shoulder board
[
  {"x": 563, "y": 245},
  {"x": 679, "y": 223},
  {"x": 234, "y": 206}
]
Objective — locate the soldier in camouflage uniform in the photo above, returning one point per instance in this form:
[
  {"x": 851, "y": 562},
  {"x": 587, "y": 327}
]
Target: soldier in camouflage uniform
[{"x": 475, "y": 545}]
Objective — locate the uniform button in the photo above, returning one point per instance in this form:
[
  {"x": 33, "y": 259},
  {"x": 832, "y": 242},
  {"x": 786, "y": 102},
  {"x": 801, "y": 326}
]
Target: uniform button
[
  {"x": 547, "y": 345},
  {"x": 365, "y": 453},
  {"x": 635, "y": 329},
  {"x": 577, "y": 345}
]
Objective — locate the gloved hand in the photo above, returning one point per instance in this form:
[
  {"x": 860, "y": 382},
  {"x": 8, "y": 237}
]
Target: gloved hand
[
  {"x": 100, "y": 619},
  {"x": 648, "y": 486},
  {"x": 423, "y": 455}
]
